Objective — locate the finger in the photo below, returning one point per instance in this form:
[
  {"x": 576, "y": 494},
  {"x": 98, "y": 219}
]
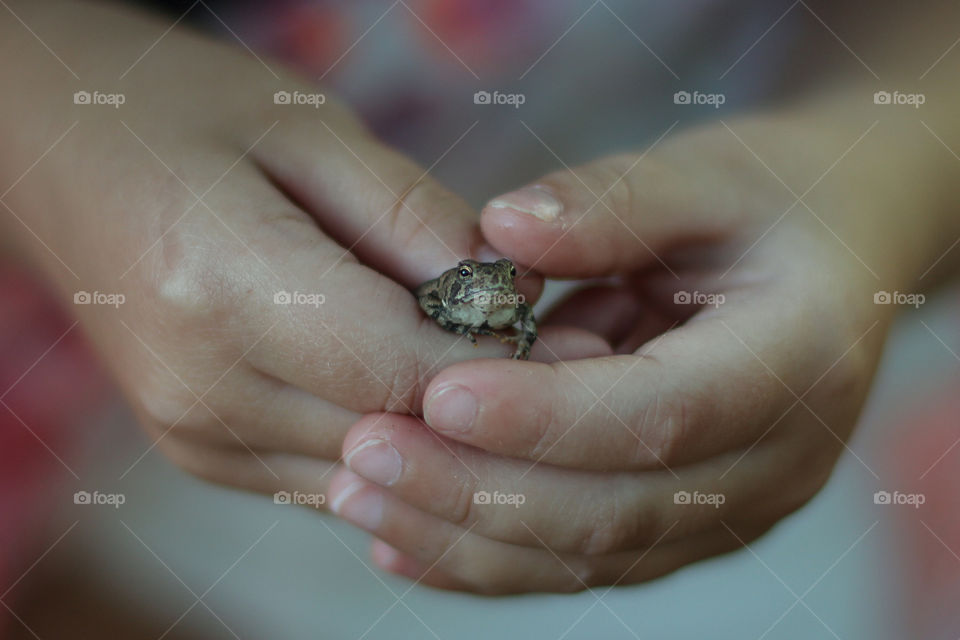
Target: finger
[
  {"x": 516, "y": 577},
  {"x": 617, "y": 213},
  {"x": 305, "y": 480},
  {"x": 710, "y": 386},
  {"x": 445, "y": 555},
  {"x": 372, "y": 200},
  {"x": 384, "y": 361},
  {"x": 590, "y": 513},
  {"x": 250, "y": 410},
  {"x": 399, "y": 563}
]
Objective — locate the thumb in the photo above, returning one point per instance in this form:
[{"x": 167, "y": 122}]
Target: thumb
[
  {"x": 375, "y": 202},
  {"x": 621, "y": 212}
]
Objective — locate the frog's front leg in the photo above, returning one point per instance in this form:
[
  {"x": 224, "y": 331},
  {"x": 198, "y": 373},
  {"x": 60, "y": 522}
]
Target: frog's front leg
[
  {"x": 528, "y": 332},
  {"x": 433, "y": 307}
]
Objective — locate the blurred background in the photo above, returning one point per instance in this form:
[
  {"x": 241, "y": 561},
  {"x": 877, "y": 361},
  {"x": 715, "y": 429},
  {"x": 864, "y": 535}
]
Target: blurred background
[{"x": 170, "y": 556}]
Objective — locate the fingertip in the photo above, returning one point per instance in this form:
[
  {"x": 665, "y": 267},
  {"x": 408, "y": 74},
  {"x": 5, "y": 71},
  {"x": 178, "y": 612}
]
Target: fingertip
[
  {"x": 343, "y": 484},
  {"x": 398, "y": 563},
  {"x": 525, "y": 238},
  {"x": 367, "y": 426},
  {"x": 358, "y": 432},
  {"x": 393, "y": 560},
  {"x": 537, "y": 200},
  {"x": 453, "y": 399}
]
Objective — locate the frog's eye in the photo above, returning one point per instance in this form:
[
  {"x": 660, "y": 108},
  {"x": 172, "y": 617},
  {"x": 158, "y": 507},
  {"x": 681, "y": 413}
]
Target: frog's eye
[
  {"x": 465, "y": 271},
  {"x": 513, "y": 270}
]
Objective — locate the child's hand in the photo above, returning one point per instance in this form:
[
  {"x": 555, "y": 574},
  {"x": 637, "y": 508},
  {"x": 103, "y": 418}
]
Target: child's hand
[
  {"x": 693, "y": 442},
  {"x": 249, "y": 339}
]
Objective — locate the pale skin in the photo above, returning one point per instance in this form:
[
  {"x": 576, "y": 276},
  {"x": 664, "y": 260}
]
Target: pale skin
[{"x": 710, "y": 405}]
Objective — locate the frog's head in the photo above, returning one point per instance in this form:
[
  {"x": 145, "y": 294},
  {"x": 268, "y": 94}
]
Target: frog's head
[{"x": 482, "y": 284}]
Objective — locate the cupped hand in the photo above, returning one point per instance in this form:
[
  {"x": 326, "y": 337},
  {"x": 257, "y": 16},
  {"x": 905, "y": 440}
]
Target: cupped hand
[
  {"x": 744, "y": 260},
  {"x": 248, "y": 261}
]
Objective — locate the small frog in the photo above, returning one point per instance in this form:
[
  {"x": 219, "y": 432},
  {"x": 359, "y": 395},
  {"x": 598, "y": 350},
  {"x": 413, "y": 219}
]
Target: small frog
[{"x": 480, "y": 298}]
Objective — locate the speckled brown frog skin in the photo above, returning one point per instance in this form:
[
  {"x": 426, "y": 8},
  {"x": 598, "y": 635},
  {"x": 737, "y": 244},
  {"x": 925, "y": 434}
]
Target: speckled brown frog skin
[{"x": 480, "y": 298}]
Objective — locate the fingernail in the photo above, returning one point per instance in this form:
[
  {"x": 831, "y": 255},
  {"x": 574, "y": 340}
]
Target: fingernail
[
  {"x": 537, "y": 200},
  {"x": 364, "y": 509},
  {"x": 376, "y": 460},
  {"x": 452, "y": 408}
]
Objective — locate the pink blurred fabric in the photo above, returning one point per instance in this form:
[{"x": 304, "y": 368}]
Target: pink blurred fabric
[
  {"x": 925, "y": 459},
  {"x": 49, "y": 382}
]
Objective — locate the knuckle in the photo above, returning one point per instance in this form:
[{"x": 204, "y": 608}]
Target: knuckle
[
  {"x": 190, "y": 279},
  {"x": 209, "y": 464},
  {"x": 610, "y": 176},
  {"x": 605, "y": 532},
  {"x": 582, "y": 575},
  {"x": 809, "y": 475},
  {"x": 545, "y": 426},
  {"x": 461, "y": 501},
  {"x": 663, "y": 430},
  {"x": 418, "y": 209},
  {"x": 163, "y": 404},
  {"x": 543, "y": 431},
  {"x": 600, "y": 538},
  {"x": 188, "y": 457},
  {"x": 404, "y": 388}
]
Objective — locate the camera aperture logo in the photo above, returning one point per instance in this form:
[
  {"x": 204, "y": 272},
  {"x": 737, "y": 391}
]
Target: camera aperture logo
[
  {"x": 897, "y": 98},
  {"x": 685, "y": 497},
  {"x": 96, "y": 498},
  {"x": 485, "y": 497},
  {"x": 699, "y": 298},
  {"x": 100, "y": 298},
  {"x": 911, "y": 299},
  {"x": 302, "y": 499},
  {"x": 300, "y": 98},
  {"x": 496, "y": 97},
  {"x": 299, "y": 297},
  {"x": 99, "y": 98},
  {"x": 887, "y": 497},
  {"x": 696, "y": 98}
]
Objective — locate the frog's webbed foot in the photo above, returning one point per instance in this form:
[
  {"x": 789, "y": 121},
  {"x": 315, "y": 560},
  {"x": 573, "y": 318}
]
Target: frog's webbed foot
[{"x": 467, "y": 332}]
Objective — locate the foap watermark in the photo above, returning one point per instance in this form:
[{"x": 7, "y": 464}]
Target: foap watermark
[
  {"x": 910, "y": 299},
  {"x": 98, "y": 297},
  {"x": 299, "y": 297},
  {"x": 686, "y": 497},
  {"x": 512, "y": 99},
  {"x": 895, "y": 497},
  {"x": 98, "y": 97},
  {"x": 299, "y": 97},
  {"x": 112, "y": 499},
  {"x": 699, "y": 298},
  {"x": 488, "y": 298},
  {"x": 712, "y": 99},
  {"x": 303, "y": 499},
  {"x": 485, "y": 497},
  {"x": 897, "y": 98}
]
